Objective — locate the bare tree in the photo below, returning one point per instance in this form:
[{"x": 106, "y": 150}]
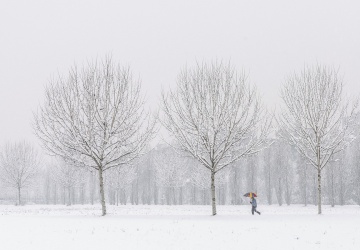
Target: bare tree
[
  {"x": 19, "y": 165},
  {"x": 95, "y": 118},
  {"x": 316, "y": 118},
  {"x": 215, "y": 116}
]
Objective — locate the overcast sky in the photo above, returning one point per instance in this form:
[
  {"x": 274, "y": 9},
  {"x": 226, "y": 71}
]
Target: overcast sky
[{"x": 269, "y": 39}]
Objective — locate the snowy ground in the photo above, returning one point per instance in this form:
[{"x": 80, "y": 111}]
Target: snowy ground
[{"x": 178, "y": 227}]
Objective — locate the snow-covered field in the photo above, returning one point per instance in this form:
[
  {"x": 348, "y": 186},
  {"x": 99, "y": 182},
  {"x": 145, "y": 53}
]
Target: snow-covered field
[{"x": 178, "y": 227}]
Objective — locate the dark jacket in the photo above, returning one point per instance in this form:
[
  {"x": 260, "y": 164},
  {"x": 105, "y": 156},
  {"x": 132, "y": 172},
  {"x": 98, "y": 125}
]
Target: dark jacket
[{"x": 253, "y": 202}]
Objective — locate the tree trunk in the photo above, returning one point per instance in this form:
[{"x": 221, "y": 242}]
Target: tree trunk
[
  {"x": 213, "y": 200},
  {"x": 315, "y": 193},
  {"x": 73, "y": 196},
  {"x": 269, "y": 187},
  {"x": 155, "y": 194},
  {"x": 92, "y": 188},
  {"x": 55, "y": 194},
  {"x": 167, "y": 195},
  {"x": 332, "y": 187},
  {"x": 305, "y": 186},
  {"x": 204, "y": 197},
  {"x": 218, "y": 196},
  {"x": 342, "y": 187},
  {"x": 117, "y": 196},
  {"x": 181, "y": 196},
  {"x": 234, "y": 190},
  {"x": 69, "y": 196},
  {"x": 319, "y": 191},
  {"x": 19, "y": 196},
  {"x": 82, "y": 194},
  {"x": 175, "y": 196},
  {"x": 124, "y": 196},
  {"x": 279, "y": 193},
  {"x": 102, "y": 193},
  {"x": 134, "y": 193}
]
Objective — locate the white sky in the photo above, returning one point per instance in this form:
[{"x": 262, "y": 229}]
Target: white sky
[{"x": 269, "y": 39}]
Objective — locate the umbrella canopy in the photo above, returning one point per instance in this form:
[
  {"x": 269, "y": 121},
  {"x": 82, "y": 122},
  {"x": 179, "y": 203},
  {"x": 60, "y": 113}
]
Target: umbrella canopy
[{"x": 250, "y": 194}]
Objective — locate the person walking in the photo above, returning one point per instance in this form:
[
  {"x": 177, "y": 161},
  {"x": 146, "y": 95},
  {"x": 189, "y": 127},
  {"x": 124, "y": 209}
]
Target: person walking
[{"x": 254, "y": 205}]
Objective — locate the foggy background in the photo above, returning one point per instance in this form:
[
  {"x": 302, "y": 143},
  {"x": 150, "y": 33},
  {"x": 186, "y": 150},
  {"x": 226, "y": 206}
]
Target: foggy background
[{"x": 269, "y": 39}]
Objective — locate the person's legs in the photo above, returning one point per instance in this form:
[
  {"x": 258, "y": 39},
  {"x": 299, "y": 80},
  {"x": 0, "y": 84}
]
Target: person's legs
[
  {"x": 252, "y": 210},
  {"x": 257, "y": 211}
]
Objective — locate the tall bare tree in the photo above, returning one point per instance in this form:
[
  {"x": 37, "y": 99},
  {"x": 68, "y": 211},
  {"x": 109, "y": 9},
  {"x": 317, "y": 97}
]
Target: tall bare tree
[
  {"x": 316, "y": 118},
  {"x": 215, "y": 116},
  {"x": 19, "y": 165},
  {"x": 94, "y": 118}
]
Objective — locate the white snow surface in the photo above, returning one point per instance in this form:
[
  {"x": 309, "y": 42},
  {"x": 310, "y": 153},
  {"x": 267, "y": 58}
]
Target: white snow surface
[{"x": 178, "y": 227}]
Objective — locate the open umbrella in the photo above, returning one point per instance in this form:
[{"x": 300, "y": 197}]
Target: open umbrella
[{"x": 250, "y": 194}]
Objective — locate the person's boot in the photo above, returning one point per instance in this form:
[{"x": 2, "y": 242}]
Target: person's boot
[{"x": 259, "y": 213}]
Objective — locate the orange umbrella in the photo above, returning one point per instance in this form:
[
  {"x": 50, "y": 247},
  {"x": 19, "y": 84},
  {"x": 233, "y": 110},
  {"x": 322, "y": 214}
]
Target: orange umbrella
[{"x": 250, "y": 194}]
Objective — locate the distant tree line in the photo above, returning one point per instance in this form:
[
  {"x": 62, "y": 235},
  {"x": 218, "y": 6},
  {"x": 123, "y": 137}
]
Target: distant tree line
[
  {"x": 280, "y": 177},
  {"x": 222, "y": 141}
]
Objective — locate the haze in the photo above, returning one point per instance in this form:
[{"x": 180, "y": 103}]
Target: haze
[{"x": 269, "y": 39}]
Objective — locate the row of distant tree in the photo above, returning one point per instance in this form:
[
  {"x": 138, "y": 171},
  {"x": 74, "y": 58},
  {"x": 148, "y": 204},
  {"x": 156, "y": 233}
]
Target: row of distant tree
[
  {"x": 278, "y": 174},
  {"x": 94, "y": 120}
]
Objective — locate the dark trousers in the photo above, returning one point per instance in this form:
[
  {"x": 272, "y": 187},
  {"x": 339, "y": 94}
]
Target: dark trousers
[{"x": 253, "y": 209}]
